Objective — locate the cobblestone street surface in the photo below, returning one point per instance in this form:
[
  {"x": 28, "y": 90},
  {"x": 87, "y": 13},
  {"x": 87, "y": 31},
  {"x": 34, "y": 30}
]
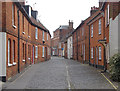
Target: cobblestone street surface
[{"x": 60, "y": 73}]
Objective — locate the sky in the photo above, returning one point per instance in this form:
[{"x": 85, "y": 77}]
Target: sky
[{"x": 53, "y": 13}]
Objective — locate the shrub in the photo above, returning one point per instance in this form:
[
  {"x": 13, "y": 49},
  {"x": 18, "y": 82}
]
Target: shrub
[{"x": 115, "y": 67}]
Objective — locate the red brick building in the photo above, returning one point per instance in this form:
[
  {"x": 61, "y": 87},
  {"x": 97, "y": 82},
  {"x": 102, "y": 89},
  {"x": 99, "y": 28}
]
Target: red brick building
[
  {"x": 59, "y": 35},
  {"x": 25, "y": 40}
]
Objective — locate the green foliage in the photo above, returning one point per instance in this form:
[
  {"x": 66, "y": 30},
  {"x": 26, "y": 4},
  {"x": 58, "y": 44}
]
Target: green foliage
[{"x": 115, "y": 67}]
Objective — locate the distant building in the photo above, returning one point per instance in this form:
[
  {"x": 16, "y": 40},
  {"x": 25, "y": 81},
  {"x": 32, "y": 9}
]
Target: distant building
[{"x": 59, "y": 35}]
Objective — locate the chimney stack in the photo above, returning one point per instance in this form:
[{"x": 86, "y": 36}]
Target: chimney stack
[
  {"x": 93, "y": 10},
  {"x": 70, "y": 24}
]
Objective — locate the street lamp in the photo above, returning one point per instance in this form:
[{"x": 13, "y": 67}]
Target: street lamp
[{"x": 104, "y": 43}]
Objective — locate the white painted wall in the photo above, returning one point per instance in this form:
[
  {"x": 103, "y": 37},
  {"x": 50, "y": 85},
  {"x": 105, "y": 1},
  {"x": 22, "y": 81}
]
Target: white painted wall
[
  {"x": 114, "y": 35},
  {"x": 2, "y": 54},
  {"x": 70, "y": 47}
]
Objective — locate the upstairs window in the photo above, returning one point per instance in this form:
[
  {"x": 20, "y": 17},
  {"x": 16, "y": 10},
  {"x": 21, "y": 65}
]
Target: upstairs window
[
  {"x": 92, "y": 31},
  {"x": 107, "y": 15},
  {"x": 13, "y": 14},
  {"x": 36, "y": 33},
  {"x": 99, "y": 26},
  {"x": 43, "y": 35},
  {"x": 23, "y": 22},
  {"x": 82, "y": 31}
]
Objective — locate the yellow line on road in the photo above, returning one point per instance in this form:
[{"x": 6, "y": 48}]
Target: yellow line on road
[{"x": 109, "y": 81}]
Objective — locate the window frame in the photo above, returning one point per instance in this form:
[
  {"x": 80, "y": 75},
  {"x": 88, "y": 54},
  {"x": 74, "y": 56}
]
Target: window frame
[
  {"x": 36, "y": 51},
  {"x": 36, "y": 33},
  {"x": 92, "y": 53},
  {"x": 43, "y": 51},
  {"x": 13, "y": 14},
  {"x": 9, "y": 53},
  {"x": 100, "y": 52},
  {"x": 100, "y": 27},
  {"x": 92, "y": 31}
]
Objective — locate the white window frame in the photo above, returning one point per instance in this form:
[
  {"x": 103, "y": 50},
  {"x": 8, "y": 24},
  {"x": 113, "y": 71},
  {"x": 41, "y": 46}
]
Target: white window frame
[
  {"x": 92, "y": 30},
  {"x": 36, "y": 33},
  {"x": 36, "y": 51},
  {"x": 13, "y": 10},
  {"x": 99, "y": 26},
  {"x": 43, "y": 51},
  {"x": 100, "y": 50},
  {"x": 13, "y": 56},
  {"x": 91, "y": 53},
  {"x": 43, "y": 36},
  {"x": 107, "y": 14},
  {"x": 9, "y": 52}
]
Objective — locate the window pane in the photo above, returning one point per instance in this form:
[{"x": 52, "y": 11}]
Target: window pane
[{"x": 8, "y": 51}]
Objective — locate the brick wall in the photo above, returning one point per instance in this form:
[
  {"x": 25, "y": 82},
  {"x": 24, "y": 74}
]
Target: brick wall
[{"x": 27, "y": 39}]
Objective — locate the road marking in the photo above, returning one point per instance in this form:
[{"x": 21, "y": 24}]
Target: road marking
[{"x": 109, "y": 81}]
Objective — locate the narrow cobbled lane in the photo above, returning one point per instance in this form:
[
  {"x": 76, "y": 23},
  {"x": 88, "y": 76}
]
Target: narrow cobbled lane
[{"x": 60, "y": 73}]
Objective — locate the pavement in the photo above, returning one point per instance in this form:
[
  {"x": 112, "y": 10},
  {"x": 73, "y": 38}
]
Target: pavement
[{"x": 60, "y": 73}]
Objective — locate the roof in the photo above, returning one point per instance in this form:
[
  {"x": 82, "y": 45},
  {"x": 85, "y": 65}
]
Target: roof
[
  {"x": 63, "y": 27},
  {"x": 31, "y": 19}
]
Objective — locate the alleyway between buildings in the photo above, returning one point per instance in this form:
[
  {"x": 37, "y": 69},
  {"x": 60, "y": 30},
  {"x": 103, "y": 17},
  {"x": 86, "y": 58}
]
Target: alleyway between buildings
[{"x": 60, "y": 73}]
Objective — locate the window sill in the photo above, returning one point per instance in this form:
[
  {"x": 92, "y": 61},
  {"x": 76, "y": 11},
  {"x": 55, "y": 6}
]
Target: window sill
[
  {"x": 14, "y": 63},
  {"x": 14, "y": 26},
  {"x": 28, "y": 36},
  {"x": 29, "y": 59},
  {"x": 36, "y": 57},
  {"x": 9, "y": 65},
  {"x": 23, "y": 60},
  {"x": 23, "y": 32}
]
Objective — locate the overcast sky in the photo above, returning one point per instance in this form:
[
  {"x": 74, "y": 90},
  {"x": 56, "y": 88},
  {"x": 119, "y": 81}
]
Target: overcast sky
[{"x": 53, "y": 13}]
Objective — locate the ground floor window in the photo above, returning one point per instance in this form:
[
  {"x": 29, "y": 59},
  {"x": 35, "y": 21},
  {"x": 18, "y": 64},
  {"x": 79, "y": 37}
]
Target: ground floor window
[
  {"x": 99, "y": 52},
  {"x": 9, "y": 51},
  {"x": 92, "y": 53},
  {"x": 36, "y": 51},
  {"x": 43, "y": 50}
]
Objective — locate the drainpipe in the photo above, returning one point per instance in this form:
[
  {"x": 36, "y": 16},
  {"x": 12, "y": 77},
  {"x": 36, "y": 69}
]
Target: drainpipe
[
  {"x": 18, "y": 43},
  {"x": 89, "y": 45}
]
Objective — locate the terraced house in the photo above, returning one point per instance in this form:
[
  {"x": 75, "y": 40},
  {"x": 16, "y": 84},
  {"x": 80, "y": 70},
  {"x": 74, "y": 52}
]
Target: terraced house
[
  {"x": 24, "y": 39},
  {"x": 96, "y": 39}
]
